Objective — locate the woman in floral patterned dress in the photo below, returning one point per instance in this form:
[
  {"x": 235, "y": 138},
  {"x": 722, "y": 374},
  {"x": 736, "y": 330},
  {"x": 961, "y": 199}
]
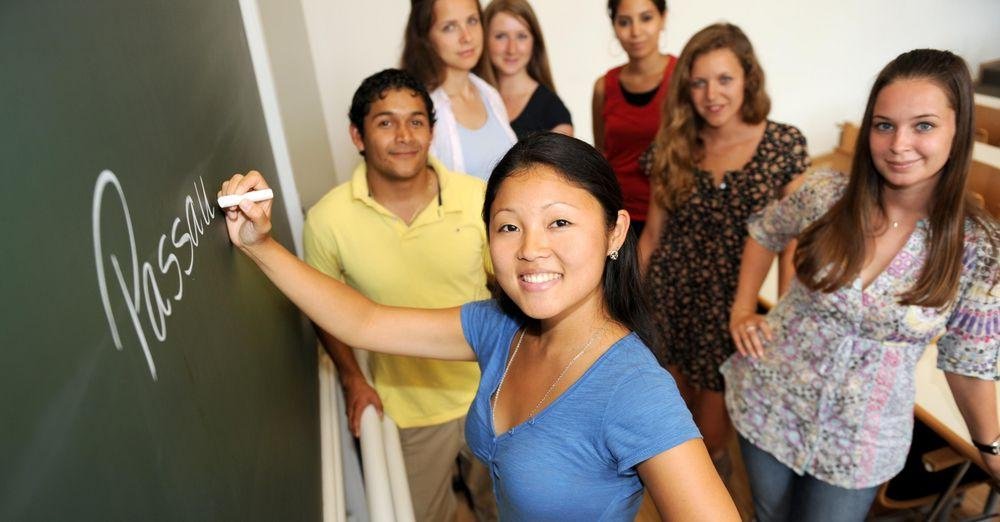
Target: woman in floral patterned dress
[
  {"x": 889, "y": 259},
  {"x": 716, "y": 160}
]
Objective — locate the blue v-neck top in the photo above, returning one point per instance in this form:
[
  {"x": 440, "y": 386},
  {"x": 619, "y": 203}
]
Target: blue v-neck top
[{"x": 576, "y": 459}]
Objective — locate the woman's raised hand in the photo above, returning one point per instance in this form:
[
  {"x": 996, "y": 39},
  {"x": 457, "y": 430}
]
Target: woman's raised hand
[{"x": 248, "y": 223}]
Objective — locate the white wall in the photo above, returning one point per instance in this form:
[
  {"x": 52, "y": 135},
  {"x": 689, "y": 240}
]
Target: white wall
[
  {"x": 309, "y": 147},
  {"x": 820, "y": 57}
]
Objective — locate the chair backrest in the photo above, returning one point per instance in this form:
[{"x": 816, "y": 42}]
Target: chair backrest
[
  {"x": 984, "y": 181},
  {"x": 988, "y": 119}
]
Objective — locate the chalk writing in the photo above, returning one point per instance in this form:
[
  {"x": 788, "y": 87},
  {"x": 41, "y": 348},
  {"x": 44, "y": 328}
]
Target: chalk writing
[{"x": 141, "y": 292}]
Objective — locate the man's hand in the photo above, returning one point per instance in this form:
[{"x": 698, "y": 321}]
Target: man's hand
[{"x": 358, "y": 394}]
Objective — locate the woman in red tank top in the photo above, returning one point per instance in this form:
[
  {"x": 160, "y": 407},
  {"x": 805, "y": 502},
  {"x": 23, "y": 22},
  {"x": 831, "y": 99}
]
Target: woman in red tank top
[{"x": 627, "y": 99}]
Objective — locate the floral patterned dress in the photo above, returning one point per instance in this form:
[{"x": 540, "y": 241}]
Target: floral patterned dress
[
  {"x": 694, "y": 270},
  {"x": 833, "y": 396}
]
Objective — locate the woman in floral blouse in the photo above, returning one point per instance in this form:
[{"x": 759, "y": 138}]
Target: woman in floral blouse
[{"x": 889, "y": 259}]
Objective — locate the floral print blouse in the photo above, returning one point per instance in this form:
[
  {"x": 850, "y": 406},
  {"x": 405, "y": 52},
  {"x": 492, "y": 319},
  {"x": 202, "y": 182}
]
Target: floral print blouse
[{"x": 833, "y": 395}]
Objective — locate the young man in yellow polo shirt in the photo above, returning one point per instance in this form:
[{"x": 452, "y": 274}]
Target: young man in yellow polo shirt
[{"x": 405, "y": 231}]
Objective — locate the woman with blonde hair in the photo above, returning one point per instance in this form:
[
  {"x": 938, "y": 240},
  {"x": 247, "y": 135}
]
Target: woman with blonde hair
[
  {"x": 716, "y": 160},
  {"x": 890, "y": 259},
  {"x": 520, "y": 66},
  {"x": 443, "y": 44}
]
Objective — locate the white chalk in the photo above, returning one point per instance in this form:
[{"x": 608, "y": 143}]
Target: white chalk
[{"x": 255, "y": 195}]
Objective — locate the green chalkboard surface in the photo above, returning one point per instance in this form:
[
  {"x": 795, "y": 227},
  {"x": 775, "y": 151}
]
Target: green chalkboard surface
[{"x": 149, "y": 372}]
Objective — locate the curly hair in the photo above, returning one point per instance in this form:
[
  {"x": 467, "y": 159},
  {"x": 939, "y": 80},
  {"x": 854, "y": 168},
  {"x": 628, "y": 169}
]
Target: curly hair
[{"x": 676, "y": 147}]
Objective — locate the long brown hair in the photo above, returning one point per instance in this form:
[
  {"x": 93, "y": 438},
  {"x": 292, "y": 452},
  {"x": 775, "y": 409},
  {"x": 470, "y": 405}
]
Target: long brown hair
[
  {"x": 419, "y": 57},
  {"x": 832, "y": 251},
  {"x": 538, "y": 66},
  {"x": 676, "y": 148}
]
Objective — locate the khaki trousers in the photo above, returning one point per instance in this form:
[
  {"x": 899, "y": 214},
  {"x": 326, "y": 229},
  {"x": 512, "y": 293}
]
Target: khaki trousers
[{"x": 431, "y": 454}]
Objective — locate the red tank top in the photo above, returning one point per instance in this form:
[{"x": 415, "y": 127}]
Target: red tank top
[{"x": 628, "y": 131}]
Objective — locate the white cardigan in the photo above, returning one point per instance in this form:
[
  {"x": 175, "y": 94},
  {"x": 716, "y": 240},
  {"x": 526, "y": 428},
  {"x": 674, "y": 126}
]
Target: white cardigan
[{"x": 445, "y": 146}]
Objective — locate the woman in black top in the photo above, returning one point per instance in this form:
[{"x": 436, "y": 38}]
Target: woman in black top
[{"x": 520, "y": 69}]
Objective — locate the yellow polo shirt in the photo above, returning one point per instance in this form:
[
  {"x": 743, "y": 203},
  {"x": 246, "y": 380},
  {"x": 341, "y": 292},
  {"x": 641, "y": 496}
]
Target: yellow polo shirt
[{"x": 438, "y": 261}]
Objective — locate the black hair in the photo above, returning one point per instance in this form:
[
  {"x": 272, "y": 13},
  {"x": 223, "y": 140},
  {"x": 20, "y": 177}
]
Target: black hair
[
  {"x": 376, "y": 86},
  {"x": 581, "y": 165},
  {"x": 661, "y": 6}
]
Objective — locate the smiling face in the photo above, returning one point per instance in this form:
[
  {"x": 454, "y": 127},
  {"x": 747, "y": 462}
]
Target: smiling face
[
  {"x": 457, "y": 34},
  {"x": 397, "y": 135},
  {"x": 510, "y": 44},
  {"x": 913, "y": 126},
  {"x": 549, "y": 242},
  {"x": 637, "y": 26},
  {"x": 717, "y": 86}
]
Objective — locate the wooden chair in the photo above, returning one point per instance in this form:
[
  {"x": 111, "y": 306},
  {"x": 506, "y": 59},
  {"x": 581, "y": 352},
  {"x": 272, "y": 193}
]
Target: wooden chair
[
  {"x": 988, "y": 122},
  {"x": 984, "y": 182}
]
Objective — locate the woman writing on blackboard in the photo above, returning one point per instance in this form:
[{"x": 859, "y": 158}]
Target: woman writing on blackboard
[{"x": 573, "y": 414}]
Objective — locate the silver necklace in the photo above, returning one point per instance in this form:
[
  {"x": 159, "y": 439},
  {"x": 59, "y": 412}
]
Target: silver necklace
[{"x": 503, "y": 376}]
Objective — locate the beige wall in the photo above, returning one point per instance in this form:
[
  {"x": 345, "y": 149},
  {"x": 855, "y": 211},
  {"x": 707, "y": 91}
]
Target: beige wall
[
  {"x": 305, "y": 127},
  {"x": 820, "y": 57}
]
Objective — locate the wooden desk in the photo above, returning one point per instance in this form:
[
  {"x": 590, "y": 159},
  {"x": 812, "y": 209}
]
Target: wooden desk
[
  {"x": 986, "y": 153},
  {"x": 936, "y": 407}
]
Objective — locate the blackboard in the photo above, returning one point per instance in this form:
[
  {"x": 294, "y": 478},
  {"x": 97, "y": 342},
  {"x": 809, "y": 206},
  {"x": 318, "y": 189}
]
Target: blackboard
[{"x": 149, "y": 371}]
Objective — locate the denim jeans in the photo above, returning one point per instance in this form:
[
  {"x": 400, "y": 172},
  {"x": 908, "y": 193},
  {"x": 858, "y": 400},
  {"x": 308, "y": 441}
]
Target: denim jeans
[{"x": 779, "y": 494}]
